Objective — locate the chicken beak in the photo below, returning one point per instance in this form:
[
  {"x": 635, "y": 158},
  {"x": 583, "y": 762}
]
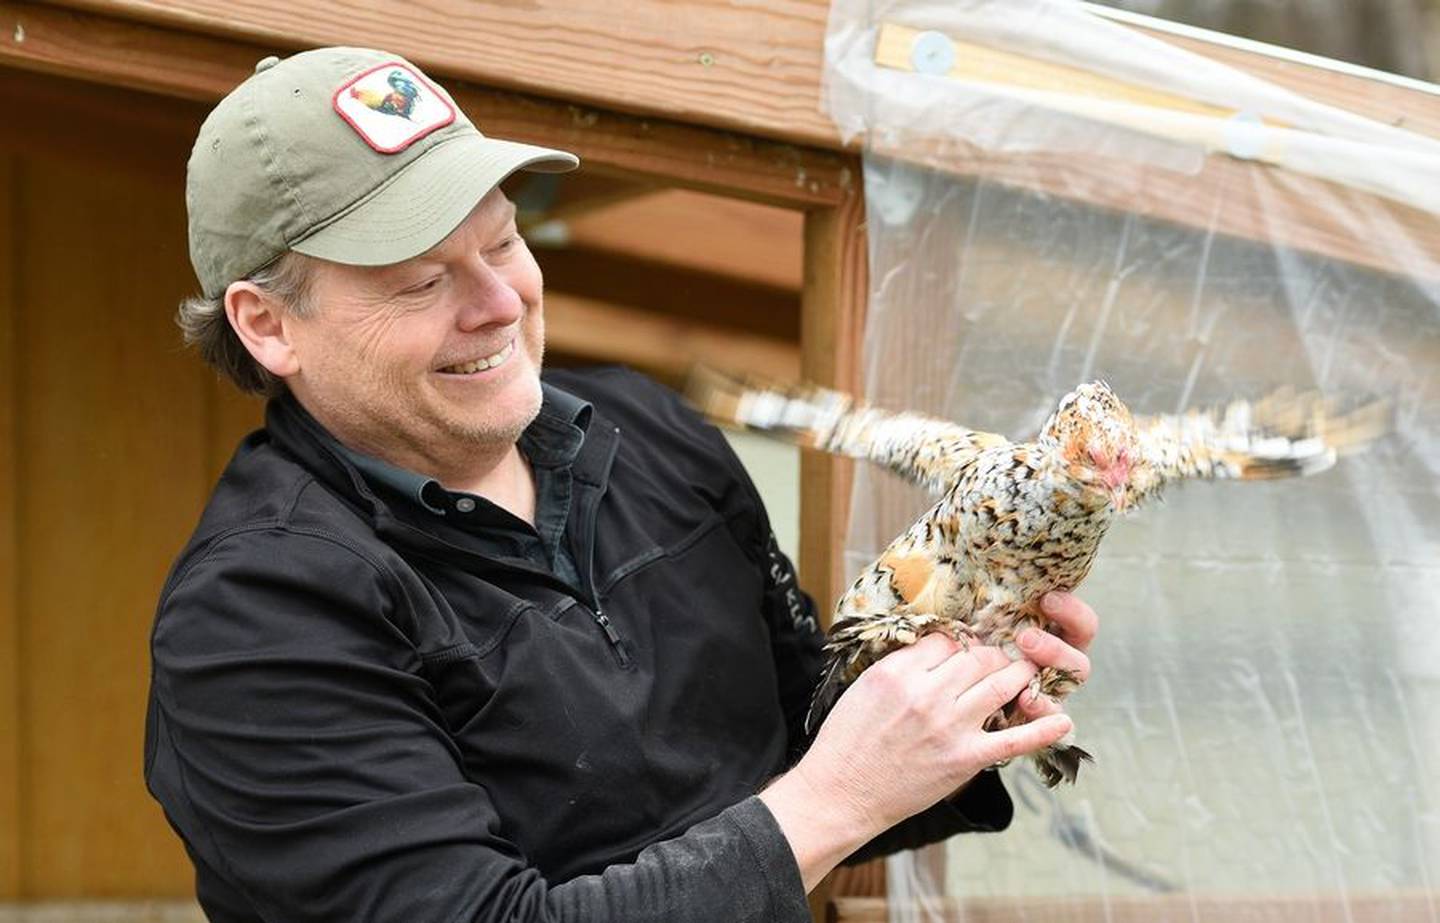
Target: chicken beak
[{"x": 1117, "y": 478}]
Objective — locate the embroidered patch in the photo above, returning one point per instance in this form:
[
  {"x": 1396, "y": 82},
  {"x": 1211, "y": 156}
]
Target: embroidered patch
[{"x": 391, "y": 106}]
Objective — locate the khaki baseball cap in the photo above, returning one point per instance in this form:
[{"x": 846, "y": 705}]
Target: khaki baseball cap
[{"x": 347, "y": 154}]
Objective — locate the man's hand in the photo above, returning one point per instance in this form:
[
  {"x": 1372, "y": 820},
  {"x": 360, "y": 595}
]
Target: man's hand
[
  {"x": 906, "y": 734},
  {"x": 1076, "y": 624}
]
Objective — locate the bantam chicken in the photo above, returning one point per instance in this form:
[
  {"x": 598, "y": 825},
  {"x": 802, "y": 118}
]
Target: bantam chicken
[{"x": 1016, "y": 520}]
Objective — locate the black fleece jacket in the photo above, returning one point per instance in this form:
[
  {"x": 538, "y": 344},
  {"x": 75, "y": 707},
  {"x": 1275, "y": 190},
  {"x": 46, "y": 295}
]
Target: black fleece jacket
[{"x": 354, "y": 717}]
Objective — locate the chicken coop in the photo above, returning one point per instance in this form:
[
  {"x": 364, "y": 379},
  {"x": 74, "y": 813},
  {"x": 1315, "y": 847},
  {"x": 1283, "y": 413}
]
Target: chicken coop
[{"x": 963, "y": 209}]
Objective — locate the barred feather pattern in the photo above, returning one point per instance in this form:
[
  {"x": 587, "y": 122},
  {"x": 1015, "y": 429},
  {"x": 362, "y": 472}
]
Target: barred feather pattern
[{"x": 1015, "y": 520}]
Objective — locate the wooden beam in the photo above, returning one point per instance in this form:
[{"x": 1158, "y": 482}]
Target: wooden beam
[
  {"x": 62, "y": 117},
  {"x": 1400, "y": 906},
  {"x": 101, "y": 912},
  {"x": 663, "y": 288},
  {"x": 663, "y": 346},
  {"x": 751, "y": 67},
  {"x": 832, "y": 320},
  {"x": 1005, "y": 69},
  {"x": 1231, "y": 197},
  {"x": 758, "y": 243},
  {"x": 545, "y": 197},
  {"x": 11, "y": 678},
  {"x": 159, "y": 59},
  {"x": 754, "y": 68},
  {"x": 1387, "y": 102},
  {"x": 120, "y": 53},
  {"x": 1262, "y": 201}
]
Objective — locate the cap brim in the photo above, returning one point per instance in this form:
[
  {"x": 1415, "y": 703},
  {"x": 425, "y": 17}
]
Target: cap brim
[{"x": 427, "y": 200}]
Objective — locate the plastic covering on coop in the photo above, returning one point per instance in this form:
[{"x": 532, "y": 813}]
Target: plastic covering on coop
[{"x": 1054, "y": 197}]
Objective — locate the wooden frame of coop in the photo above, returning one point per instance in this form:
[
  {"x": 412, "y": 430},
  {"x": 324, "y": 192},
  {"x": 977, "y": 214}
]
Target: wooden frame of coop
[{"x": 712, "y": 98}]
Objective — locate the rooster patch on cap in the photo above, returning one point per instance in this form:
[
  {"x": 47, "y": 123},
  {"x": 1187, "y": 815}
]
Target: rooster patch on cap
[
  {"x": 399, "y": 101},
  {"x": 392, "y": 106}
]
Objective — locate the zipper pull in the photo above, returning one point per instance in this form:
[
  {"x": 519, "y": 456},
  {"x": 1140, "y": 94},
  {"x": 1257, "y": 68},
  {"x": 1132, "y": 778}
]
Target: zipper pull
[{"x": 613, "y": 636}]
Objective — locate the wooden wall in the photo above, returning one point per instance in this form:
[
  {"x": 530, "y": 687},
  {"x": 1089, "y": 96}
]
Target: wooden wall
[{"x": 113, "y": 436}]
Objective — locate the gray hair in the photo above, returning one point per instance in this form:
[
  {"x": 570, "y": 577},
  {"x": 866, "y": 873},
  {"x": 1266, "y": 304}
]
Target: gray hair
[{"x": 204, "y": 324}]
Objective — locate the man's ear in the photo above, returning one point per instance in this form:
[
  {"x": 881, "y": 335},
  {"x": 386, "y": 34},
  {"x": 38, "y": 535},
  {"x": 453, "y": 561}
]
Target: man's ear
[{"x": 262, "y": 324}]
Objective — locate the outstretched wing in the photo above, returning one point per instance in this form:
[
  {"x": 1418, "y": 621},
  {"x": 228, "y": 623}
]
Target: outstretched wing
[
  {"x": 1284, "y": 435},
  {"x": 920, "y": 449}
]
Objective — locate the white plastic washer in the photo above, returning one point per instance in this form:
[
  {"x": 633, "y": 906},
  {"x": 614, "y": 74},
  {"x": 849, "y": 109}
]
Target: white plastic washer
[{"x": 932, "y": 53}]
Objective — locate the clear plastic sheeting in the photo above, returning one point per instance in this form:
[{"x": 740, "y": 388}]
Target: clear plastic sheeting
[
  {"x": 1231, "y": 112},
  {"x": 1265, "y": 706}
]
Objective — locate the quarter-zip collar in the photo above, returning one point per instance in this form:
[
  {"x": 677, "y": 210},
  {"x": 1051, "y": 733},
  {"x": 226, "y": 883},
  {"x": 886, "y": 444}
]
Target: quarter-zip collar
[
  {"x": 293, "y": 430},
  {"x": 550, "y": 445}
]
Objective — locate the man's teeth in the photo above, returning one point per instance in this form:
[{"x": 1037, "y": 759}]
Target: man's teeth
[{"x": 480, "y": 365}]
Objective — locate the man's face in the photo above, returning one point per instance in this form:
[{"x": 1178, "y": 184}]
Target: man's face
[{"x": 432, "y": 359}]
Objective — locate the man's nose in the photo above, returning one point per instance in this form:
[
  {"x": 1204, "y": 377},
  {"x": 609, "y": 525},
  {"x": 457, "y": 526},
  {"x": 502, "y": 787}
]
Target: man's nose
[{"x": 486, "y": 297}]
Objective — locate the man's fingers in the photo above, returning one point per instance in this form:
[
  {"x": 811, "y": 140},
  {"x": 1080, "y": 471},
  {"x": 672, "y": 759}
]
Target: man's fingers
[
  {"x": 992, "y": 691},
  {"x": 925, "y": 654},
  {"x": 1026, "y": 738},
  {"x": 1076, "y": 621},
  {"x": 1047, "y": 650},
  {"x": 961, "y": 669}
]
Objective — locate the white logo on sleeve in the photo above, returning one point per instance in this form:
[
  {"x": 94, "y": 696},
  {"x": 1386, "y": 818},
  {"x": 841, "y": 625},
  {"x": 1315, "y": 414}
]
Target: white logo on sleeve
[{"x": 391, "y": 106}]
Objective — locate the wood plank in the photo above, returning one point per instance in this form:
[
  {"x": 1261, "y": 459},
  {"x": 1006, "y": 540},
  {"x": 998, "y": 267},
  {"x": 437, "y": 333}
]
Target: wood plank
[
  {"x": 855, "y": 881},
  {"x": 1009, "y": 69},
  {"x": 101, "y": 912},
  {"x": 831, "y": 323},
  {"x": 1400, "y": 906},
  {"x": 77, "y": 44},
  {"x": 832, "y": 319},
  {"x": 11, "y": 677},
  {"x": 1375, "y": 96},
  {"x": 1242, "y": 199},
  {"x": 748, "y": 241},
  {"x": 562, "y": 196},
  {"x": 62, "y": 115},
  {"x": 1378, "y": 99},
  {"x": 635, "y": 281},
  {"x": 157, "y": 59},
  {"x": 755, "y": 68},
  {"x": 114, "y": 471},
  {"x": 665, "y": 347},
  {"x": 741, "y": 66}
]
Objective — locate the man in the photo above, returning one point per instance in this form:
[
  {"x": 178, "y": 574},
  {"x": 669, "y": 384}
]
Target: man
[{"x": 450, "y": 644}]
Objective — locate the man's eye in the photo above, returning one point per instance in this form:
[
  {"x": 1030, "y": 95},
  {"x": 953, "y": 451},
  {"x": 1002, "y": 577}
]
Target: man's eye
[{"x": 425, "y": 286}]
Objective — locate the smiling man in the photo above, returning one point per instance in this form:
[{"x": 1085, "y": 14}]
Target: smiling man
[
  {"x": 432, "y": 364},
  {"x": 451, "y": 642}
]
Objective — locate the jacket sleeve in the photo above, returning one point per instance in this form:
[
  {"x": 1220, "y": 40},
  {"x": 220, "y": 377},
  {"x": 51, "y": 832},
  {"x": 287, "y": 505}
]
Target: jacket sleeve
[
  {"x": 789, "y": 612},
  {"x": 293, "y": 741}
]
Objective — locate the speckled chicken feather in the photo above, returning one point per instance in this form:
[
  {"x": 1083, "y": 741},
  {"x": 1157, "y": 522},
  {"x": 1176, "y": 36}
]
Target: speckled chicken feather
[{"x": 1018, "y": 519}]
